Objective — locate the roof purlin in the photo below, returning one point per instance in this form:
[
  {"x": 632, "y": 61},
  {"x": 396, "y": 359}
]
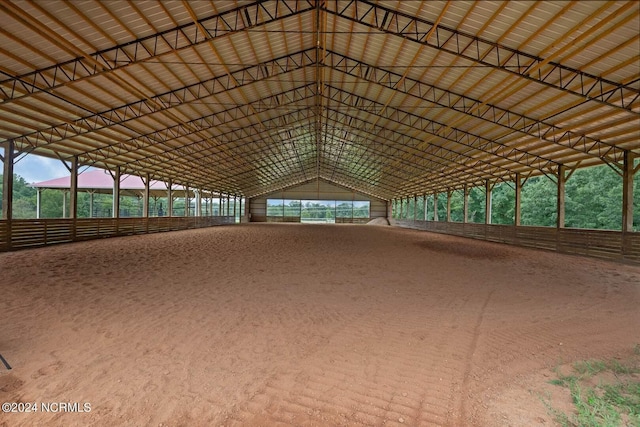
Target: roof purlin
[{"x": 513, "y": 61}]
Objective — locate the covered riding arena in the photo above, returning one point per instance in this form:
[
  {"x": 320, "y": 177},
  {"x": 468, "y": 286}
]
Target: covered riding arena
[{"x": 342, "y": 255}]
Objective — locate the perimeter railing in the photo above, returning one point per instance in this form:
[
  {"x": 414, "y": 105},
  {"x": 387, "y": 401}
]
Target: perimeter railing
[
  {"x": 28, "y": 233},
  {"x": 613, "y": 245}
]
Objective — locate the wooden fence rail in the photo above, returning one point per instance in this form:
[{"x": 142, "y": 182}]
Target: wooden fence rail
[
  {"x": 613, "y": 245},
  {"x": 27, "y": 233}
]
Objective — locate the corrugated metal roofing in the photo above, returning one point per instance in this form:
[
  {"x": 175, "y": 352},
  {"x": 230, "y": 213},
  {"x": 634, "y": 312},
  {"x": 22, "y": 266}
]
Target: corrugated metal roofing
[{"x": 390, "y": 98}]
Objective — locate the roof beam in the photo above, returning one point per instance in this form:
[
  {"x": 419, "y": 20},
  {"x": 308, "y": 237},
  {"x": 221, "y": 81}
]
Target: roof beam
[
  {"x": 165, "y": 101},
  {"x": 172, "y": 133},
  {"x": 441, "y": 130},
  {"x": 228, "y": 142},
  {"x": 149, "y": 48},
  {"x": 449, "y": 159},
  {"x": 590, "y": 87},
  {"x": 475, "y": 108}
]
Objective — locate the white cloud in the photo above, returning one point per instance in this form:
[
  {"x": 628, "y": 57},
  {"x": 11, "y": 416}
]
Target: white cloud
[{"x": 36, "y": 168}]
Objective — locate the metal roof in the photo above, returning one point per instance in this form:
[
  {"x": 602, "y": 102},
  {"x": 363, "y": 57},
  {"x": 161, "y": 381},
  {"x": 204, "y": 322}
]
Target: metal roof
[
  {"x": 101, "y": 181},
  {"x": 390, "y": 98}
]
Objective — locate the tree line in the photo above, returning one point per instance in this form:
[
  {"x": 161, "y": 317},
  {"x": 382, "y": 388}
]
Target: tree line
[
  {"x": 52, "y": 204},
  {"x": 318, "y": 209},
  {"x": 593, "y": 200}
]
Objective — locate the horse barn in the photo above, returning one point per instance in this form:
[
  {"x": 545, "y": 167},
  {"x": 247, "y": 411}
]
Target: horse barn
[{"x": 344, "y": 212}]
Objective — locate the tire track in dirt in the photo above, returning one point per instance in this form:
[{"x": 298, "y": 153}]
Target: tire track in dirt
[
  {"x": 392, "y": 369},
  {"x": 291, "y": 325},
  {"x": 462, "y": 407}
]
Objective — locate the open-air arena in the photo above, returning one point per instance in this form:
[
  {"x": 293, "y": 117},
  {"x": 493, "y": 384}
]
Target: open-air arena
[
  {"x": 319, "y": 213},
  {"x": 289, "y": 324}
]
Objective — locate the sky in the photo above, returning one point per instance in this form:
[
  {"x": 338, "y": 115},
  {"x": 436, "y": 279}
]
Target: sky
[{"x": 36, "y": 168}]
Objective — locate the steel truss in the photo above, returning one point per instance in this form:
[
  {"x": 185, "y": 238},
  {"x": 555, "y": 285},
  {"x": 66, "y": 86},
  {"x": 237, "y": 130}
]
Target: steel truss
[
  {"x": 587, "y": 86},
  {"x": 151, "y": 47},
  {"x": 165, "y": 101},
  {"x": 529, "y": 126}
]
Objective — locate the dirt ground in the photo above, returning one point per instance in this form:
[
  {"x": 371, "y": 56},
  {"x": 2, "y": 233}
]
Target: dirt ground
[{"x": 310, "y": 325}]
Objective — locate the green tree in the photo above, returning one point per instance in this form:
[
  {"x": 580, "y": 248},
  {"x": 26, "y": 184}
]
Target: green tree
[
  {"x": 411, "y": 209},
  {"x": 442, "y": 207},
  {"x": 430, "y": 207},
  {"x": 457, "y": 206},
  {"x": 420, "y": 208},
  {"x": 344, "y": 210},
  {"x": 539, "y": 202},
  {"x": 291, "y": 208},
  {"x": 394, "y": 208},
  {"x": 503, "y": 202},
  {"x": 24, "y": 199},
  {"x": 476, "y": 205},
  {"x": 594, "y": 199}
]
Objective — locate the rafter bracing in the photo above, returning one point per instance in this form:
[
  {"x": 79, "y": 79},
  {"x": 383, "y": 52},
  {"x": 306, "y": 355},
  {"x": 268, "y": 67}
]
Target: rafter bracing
[
  {"x": 201, "y": 153},
  {"x": 165, "y": 101},
  {"x": 291, "y": 126},
  {"x": 466, "y": 105},
  {"x": 394, "y": 146},
  {"x": 151, "y": 47},
  {"x": 169, "y": 134},
  {"x": 619, "y": 95},
  {"x": 440, "y": 130}
]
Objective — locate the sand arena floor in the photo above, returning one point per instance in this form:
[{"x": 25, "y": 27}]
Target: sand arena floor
[{"x": 275, "y": 324}]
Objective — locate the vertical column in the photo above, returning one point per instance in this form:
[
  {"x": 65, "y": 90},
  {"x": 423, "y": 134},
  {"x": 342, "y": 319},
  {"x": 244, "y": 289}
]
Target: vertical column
[
  {"x": 146, "y": 201},
  {"x": 424, "y": 197},
  {"x": 91, "y": 193},
  {"x": 198, "y": 202},
  {"x": 169, "y": 198},
  {"x": 408, "y": 214},
  {"x": 518, "y": 209},
  {"x": 627, "y": 192},
  {"x": 187, "y": 200},
  {"x": 64, "y": 203},
  {"x": 38, "y": 203},
  {"x": 240, "y": 209},
  {"x": 415, "y": 207},
  {"x": 73, "y": 191},
  {"x": 235, "y": 200},
  {"x": 145, "y": 196},
  {"x": 7, "y": 187},
  {"x": 465, "y": 205},
  {"x": 7, "y": 183},
  {"x": 487, "y": 202},
  {"x": 229, "y": 206},
  {"x": 116, "y": 193},
  {"x": 449, "y": 205},
  {"x": 406, "y": 208},
  {"x": 426, "y": 207},
  {"x": 73, "y": 196},
  {"x": 435, "y": 207},
  {"x": 561, "y": 196}
]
